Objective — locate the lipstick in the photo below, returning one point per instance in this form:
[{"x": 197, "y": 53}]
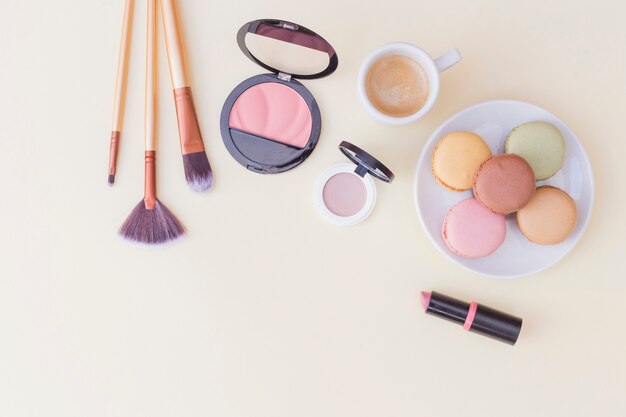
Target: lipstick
[{"x": 473, "y": 316}]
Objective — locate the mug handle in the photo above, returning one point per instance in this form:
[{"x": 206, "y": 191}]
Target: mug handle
[{"x": 448, "y": 59}]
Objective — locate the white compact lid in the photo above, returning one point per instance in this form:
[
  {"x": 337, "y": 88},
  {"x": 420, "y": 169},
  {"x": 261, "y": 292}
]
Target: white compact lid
[{"x": 365, "y": 164}]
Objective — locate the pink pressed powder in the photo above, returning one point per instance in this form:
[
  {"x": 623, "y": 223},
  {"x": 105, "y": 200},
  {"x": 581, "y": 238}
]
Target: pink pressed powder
[
  {"x": 273, "y": 111},
  {"x": 344, "y": 194}
]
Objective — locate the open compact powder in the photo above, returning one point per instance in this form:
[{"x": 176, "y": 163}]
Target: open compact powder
[
  {"x": 273, "y": 111},
  {"x": 346, "y": 193},
  {"x": 271, "y": 123}
]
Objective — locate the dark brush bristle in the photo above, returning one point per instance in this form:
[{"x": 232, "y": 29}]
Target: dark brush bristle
[
  {"x": 111, "y": 179},
  {"x": 198, "y": 171},
  {"x": 151, "y": 227}
]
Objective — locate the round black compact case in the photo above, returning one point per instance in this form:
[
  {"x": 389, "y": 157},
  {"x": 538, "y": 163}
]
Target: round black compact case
[{"x": 270, "y": 123}]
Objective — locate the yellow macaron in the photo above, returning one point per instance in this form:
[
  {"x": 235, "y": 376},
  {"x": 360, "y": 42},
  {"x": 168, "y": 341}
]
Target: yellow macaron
[{"x": 456, "y": 158}]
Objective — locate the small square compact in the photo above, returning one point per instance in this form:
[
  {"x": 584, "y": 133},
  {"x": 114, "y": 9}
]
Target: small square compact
[
  {"x": 346, "y": 195},
  {"x": 271, "y": 123}
]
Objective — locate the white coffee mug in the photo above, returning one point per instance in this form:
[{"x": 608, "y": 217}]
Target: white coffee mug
[{"x": 432, "y": 68}]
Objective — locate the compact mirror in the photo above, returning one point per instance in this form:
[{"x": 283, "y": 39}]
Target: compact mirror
[{"x": 285, "y": 47}]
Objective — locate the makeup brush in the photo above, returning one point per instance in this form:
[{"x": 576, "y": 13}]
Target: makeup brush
[
  {"x": 197, "y": 169},
  {"x": 150, "y": 221},
  {"x": 120, "y": 89}
]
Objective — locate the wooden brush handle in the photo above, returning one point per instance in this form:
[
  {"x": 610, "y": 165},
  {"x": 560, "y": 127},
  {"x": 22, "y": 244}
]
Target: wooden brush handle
[
  {"x": 120, "y": 89},
  {"x": 151, "y": 87},
  {"x": 150, "y": 103},
  {"x": 174, "y": 44},
  {"x": 122, "y": 67}
]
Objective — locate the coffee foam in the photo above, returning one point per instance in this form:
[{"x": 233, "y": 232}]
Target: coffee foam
[{"x": 396, "y": 85}]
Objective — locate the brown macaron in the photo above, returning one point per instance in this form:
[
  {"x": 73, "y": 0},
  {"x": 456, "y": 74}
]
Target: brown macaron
[
  {"x": 504, "y": 183},
  {"x": 549, "y": 217}
]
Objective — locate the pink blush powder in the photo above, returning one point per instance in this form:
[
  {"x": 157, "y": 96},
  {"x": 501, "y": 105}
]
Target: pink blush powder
[
  {"x": 472, "y": 230},
  {"x": 344, "y": 194},
  {"x": 273, "y": 111}
]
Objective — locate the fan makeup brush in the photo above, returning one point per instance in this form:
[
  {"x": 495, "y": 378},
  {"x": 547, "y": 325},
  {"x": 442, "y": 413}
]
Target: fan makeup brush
[
  {"x": 197, "y": 169},
  {"x": 150, "y": 221},
  {"x": 120, "y": 89}
]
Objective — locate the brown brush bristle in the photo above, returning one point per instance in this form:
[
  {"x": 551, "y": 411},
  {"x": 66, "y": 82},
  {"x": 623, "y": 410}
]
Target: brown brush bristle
[
  {"x": 151, "y": 227},
  {"x": 111, "y": 179},
  {"x": 198, "y": 171}
]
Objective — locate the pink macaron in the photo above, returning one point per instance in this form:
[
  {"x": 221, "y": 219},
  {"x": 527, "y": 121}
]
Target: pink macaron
[{"x": 472, "y": 230}]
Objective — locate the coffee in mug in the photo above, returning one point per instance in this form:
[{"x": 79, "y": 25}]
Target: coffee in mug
[
  {"x": 399, "y": 82},
  {"x": 396, "y": 85}
]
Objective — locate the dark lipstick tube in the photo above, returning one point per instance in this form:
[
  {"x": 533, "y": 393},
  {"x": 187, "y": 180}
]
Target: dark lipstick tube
[{"x": 473, "y": 316}]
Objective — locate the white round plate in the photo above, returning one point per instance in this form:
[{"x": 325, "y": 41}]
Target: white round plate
[{"x": 517, "y": 257}]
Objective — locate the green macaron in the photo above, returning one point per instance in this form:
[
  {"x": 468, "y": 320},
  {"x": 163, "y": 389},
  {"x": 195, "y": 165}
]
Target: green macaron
[{"x": 541, "y": 144}]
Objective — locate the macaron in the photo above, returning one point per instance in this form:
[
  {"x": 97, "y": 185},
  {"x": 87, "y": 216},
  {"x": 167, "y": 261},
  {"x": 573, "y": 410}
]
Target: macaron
[
  {"x": 549, "y": 217},
  {"x": 541, "y": 144},
  {"x": 504, "y": 183},
  {"x": 472, "y": 230},
  {"x": 456, "y": 158}
]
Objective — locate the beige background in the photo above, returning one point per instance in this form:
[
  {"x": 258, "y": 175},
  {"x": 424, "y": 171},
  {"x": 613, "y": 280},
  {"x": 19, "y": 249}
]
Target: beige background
[{"x": 264, "y": 309}]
